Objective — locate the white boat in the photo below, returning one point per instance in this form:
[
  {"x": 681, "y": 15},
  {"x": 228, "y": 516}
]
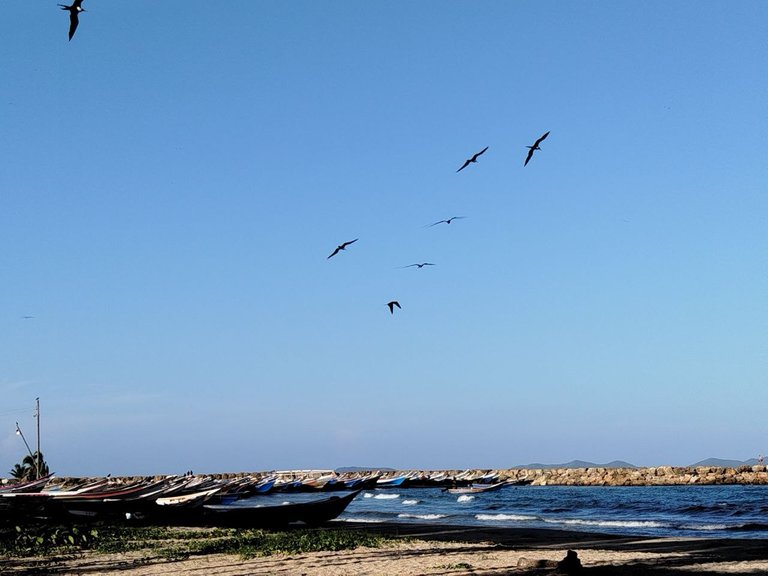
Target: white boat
[{"x": 187, "y": 499}]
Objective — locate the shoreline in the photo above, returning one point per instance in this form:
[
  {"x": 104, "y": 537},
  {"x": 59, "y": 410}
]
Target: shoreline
[{"x": 433, "y": 549}]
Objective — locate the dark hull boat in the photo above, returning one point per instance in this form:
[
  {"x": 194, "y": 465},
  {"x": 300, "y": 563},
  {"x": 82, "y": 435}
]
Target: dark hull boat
[{"x": 311, "y": 513}]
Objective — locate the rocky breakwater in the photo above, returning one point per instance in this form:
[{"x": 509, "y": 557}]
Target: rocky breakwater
[{"x": 660, "y": 476}]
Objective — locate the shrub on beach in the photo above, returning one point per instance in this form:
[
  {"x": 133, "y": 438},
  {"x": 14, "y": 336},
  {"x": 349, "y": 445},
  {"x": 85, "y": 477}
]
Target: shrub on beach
[{"x": 178, "y": 543}]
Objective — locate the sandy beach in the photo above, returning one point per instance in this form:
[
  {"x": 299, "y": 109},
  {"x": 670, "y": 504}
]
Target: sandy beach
[{"x": 433, "y": 550}]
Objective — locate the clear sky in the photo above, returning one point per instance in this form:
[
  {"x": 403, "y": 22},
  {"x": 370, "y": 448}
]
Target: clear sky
[{"x": 174, "y": 178}]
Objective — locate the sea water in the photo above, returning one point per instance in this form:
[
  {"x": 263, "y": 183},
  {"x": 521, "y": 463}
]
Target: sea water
[{"x": 702, "y": 511}]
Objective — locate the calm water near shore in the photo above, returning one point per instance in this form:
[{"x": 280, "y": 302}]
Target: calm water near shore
[{"x": 704, "y": 511}]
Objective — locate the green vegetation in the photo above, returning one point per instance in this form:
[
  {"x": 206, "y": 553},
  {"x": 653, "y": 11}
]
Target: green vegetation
[
  {"x": 177, "y": 543},
  {"x": 41, "y": 540}
]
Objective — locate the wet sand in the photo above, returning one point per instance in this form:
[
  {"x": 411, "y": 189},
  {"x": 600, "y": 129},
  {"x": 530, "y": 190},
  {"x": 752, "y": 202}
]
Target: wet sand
[{"x": 433, "y": 550}]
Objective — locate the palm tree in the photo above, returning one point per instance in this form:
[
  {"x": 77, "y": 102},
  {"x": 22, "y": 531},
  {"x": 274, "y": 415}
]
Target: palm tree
[
  {"x": 20, "y": 472},
  {"x": 31, "y": 462}
]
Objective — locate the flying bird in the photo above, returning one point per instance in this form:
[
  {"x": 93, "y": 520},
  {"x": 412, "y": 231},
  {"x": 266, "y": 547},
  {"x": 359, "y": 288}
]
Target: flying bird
[
  {"x": 419, "y": 265},
  {"x": 74, "y": 12},
  {"x": 534, "y": 147},
  {"x": 392, "y": 306},
  {"x": 471, "y": 160},
  {"x": 27, "y": 317},
  {"x": 448, "y": 221},
  {"x": 342, "y": 247}
]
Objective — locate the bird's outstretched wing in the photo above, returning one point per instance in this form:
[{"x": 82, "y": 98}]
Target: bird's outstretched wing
[
  {"x": 73, "y": 22},
  {"x": 438, "y": 222},
  {"x": 530, "y": 155},
  {"x": 480, "y": 153},
  {"x": 348, "y": 243},
  {"x": 540, "y": 140},
  {"x": 334, "y": 252},
  {"x": 466, "y": 163}
]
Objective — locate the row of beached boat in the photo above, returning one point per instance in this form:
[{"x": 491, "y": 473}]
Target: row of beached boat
[
  {"x": 208, "y": 500},
  {"x": 186, "y": 500}
]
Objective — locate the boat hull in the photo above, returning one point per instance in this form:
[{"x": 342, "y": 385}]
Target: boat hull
[{"x": 312, "y": 513}]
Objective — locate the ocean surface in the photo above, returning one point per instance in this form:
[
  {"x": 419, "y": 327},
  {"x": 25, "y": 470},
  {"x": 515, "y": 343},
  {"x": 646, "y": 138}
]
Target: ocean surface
[{"x": 703, "y": 511}]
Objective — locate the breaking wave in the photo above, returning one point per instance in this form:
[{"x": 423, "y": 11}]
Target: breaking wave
[
  {"x": 612, "y": 523},
  {"x": 512, "y": 517},
  {"x": 361, "y": 520}
]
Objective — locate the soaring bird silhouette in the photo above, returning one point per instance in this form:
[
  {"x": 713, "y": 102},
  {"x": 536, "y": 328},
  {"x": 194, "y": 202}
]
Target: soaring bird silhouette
[
  {"x": 74, "y": 12},
  {"x": 448, "y": 221},
  {"x": 418, "y": 265},
  {"x": 534, "y": 147},
  {"x": 392, "y": 305},
  {"x": 471, "y": 160},
  {"x": 342, "y": 247}
]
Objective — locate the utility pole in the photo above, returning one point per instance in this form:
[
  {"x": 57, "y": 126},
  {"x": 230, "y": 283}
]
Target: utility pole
[{"x": 37, "y": 416}]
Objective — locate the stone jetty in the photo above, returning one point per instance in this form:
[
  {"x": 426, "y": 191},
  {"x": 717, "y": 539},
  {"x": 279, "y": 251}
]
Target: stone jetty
[
  {"x": 597, "y": 476},
  {"x": 659, "y": 476}
]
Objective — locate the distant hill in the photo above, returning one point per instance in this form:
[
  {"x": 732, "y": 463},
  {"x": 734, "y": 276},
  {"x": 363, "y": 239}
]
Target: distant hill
[
  {"x": 579, "y": 464},
  {"x": 724, "y": 463}
]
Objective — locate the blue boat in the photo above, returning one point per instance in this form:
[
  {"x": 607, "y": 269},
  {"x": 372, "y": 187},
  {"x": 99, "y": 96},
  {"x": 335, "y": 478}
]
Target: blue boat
[
  {"x": 391, "y": 482},
  {"x": 264, "y": 486}
]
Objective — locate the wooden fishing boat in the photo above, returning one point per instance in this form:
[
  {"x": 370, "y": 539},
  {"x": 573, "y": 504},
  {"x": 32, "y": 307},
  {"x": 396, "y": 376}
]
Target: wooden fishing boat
[
  {"x": 264, "y": 486},
  {"x": 311, "y": 513},
  {"x": 193, "y": 499},
  {"x": 135, "y": 490},
  {"x": 27, "y": 487},
  {"x": 391, "y": 482}
]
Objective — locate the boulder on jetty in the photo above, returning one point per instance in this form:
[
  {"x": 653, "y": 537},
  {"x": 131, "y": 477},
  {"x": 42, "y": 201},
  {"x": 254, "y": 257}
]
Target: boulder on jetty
[{"x": 656, "y": 476}]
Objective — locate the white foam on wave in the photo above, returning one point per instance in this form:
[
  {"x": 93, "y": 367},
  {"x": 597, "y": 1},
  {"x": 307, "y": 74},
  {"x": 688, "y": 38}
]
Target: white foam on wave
[
  {"x": 704, "y": 527},
  {"x": 465, "y": 498},
  {"x": 367, "y": 495},
  {"x": 612, "y": 523},
  {"x": 514, "y": 517},
  {"x": 422, "y": 516},
  {"x": 410, "y": 502},
  {"x": 361, "y": 520},
  {"x": 386, "y": 496}
]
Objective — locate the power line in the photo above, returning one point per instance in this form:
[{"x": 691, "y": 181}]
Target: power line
[{"x": 15, "y": 411}]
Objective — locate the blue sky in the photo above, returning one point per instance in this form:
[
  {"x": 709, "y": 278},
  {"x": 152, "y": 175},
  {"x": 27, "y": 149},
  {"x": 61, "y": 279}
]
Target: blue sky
[{"x": 174, "y": 178}]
